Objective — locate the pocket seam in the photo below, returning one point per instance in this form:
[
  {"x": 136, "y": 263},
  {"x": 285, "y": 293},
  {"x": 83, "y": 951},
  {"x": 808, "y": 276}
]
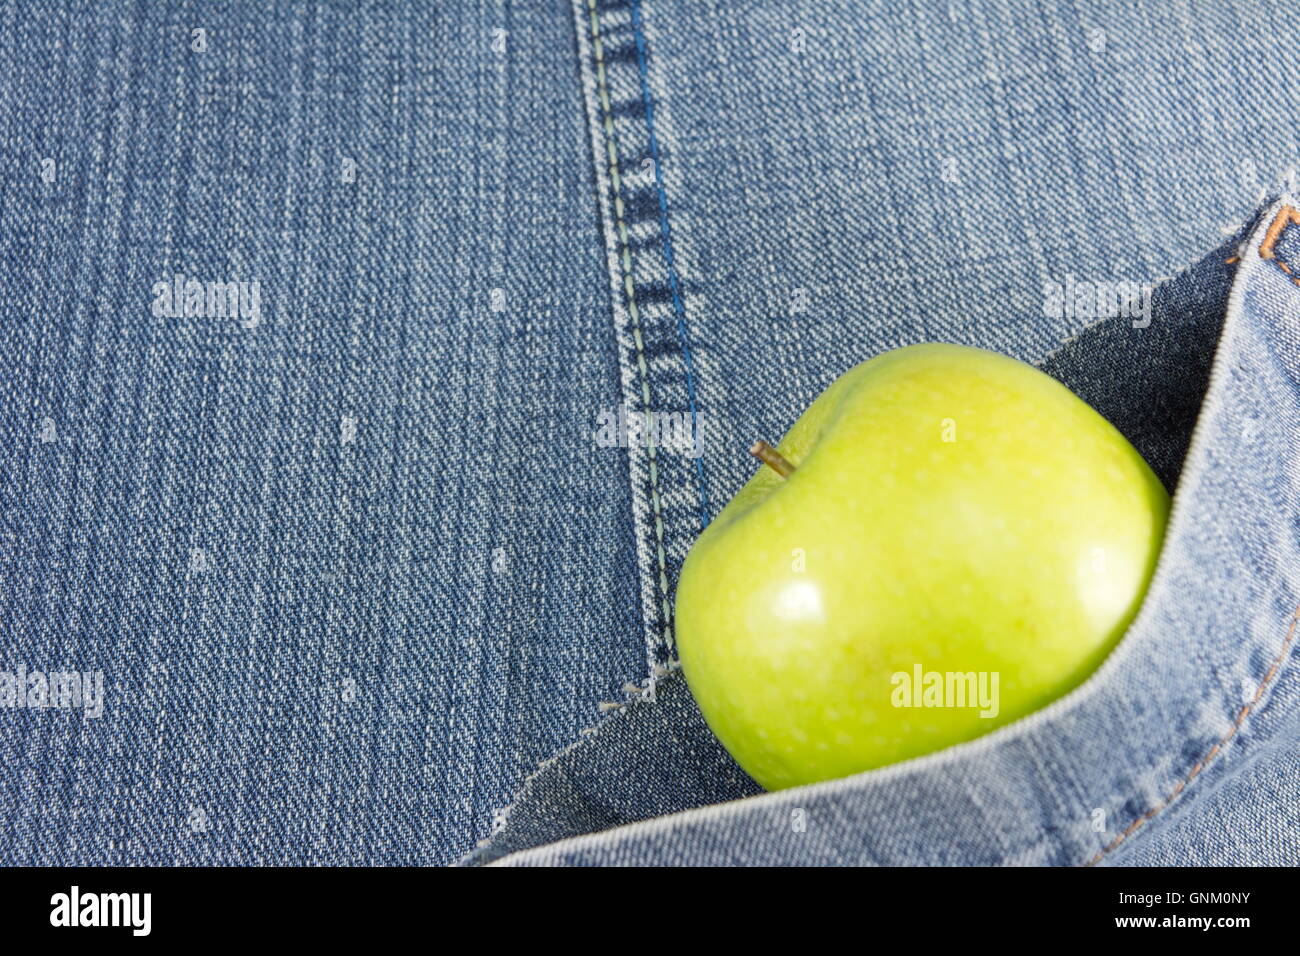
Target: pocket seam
[
  {"x": 1213, "y": 752},
  {"x": 629, "y": 289}
]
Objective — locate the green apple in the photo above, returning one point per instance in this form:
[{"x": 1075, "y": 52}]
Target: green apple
[{"x": 944, "y": 511}]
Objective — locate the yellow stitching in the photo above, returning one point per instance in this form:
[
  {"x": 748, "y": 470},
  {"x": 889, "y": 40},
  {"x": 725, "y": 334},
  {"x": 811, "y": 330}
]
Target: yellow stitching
[
  {"x": 1213, "y": 751},
  {"x": 1286, "y": 216},
  {"x": 611, "y": 148}
]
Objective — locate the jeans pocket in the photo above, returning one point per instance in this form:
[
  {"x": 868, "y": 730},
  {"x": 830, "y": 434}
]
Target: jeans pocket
[{"x": 1209, "y": 391}]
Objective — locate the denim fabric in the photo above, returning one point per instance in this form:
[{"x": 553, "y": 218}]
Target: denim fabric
[
  {"x": 1163, "y": 756},
  {"x": 1250, "y": 818},
  {"x": 842, "y": 179},
  {"x": 361, "y": 582},
  {"x": 350, "y": 571}
]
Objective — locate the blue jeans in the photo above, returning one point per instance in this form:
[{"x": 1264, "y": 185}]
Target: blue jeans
[{"x": 362, "y": 584}]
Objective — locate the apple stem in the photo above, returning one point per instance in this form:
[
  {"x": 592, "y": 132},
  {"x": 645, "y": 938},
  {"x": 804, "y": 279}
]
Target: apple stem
[{"x": 772, "y": 458}]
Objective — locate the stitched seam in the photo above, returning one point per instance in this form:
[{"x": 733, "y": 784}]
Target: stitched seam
[
  {"x": 1286, "y": 216},
  {"x": 678, "y": 308},
  {"x": 1213, "y": 751},
  {"x": 629, "y": 288}
]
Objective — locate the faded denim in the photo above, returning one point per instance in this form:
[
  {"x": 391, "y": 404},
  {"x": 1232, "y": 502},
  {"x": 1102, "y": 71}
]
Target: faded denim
[
  {"x": 350, "y": 572},
  {"x": 362, "y": 585}
]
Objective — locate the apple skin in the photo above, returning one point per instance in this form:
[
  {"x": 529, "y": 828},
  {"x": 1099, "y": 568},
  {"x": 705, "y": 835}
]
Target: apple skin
[{"x": 1022, "y": 546}]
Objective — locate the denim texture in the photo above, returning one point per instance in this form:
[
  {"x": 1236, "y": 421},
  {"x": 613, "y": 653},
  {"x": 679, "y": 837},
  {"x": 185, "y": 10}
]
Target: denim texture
[
  {"x": 361, "y": 582},
  {"x": 387, "y": 481},
  {"x": 851, "y": 179}
]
